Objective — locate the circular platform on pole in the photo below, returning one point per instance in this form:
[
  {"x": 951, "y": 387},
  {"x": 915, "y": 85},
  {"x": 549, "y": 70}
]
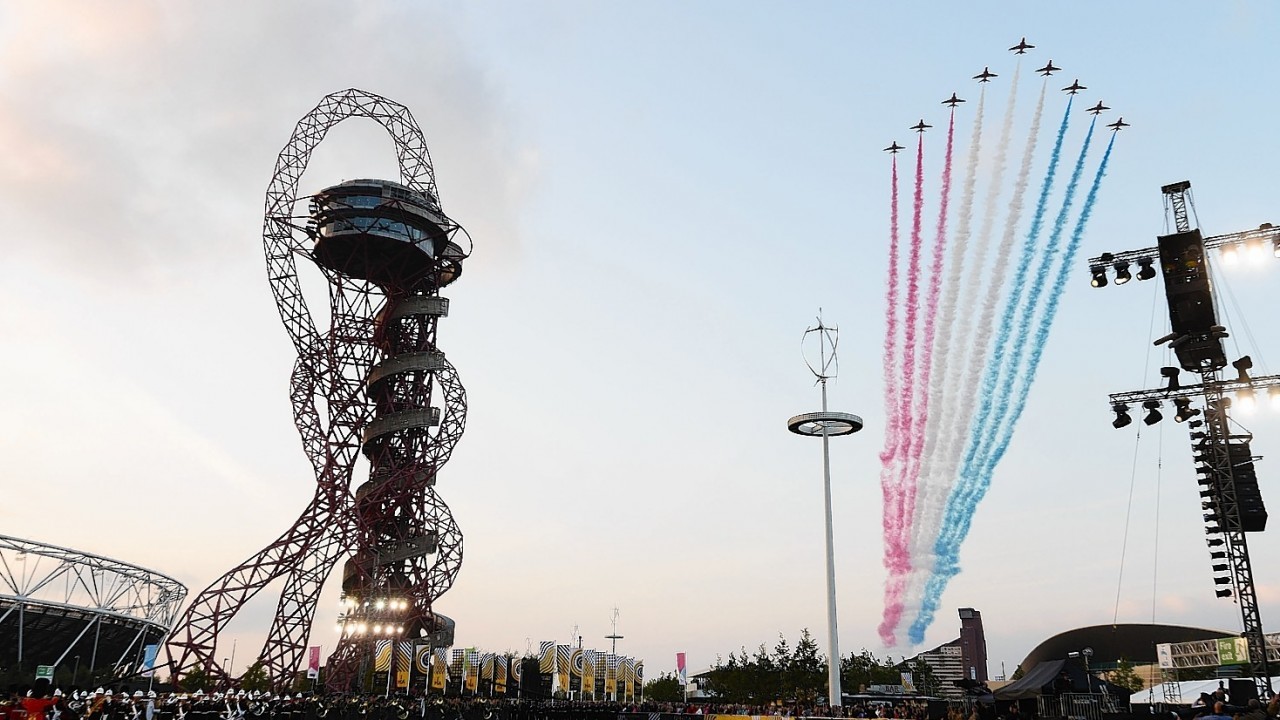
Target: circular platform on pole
[{"x": 835, "y": 423}]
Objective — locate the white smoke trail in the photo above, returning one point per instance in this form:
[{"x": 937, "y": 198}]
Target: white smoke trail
[
  {"x": 987, "y": 322},
  {"x": 969, "y": 360},
  {"x": 930, "y": 495}
]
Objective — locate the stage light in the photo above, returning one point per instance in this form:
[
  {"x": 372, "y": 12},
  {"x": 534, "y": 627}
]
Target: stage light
[
  {"x": 1122, "y": 272},
  {"x": 1246, "y": 400},
  {"x": 1276, "y": 247},
  {"x": 1217, "y": 556},
  {"x": 1122, "y": 416},
  {"x": 1222, "y": 581},
  {"x": 1256, "y": 250},
  {"x": 1224, "y": 593},
  {"x": 1146, "y": 272},
  {"x": 1153, "y": 415},
  {"x": 1230, "y": 254},
  {"x": 1184, "y": 410},
  {"x": 1220, "y": 568},
  {"x": 1195, "y": 424},
  {"x": 1099, "y": 276},
  {"x": 1274, "y": 393},
  {"x": 1243, "y": 366},
  {"x": 1215, "y": 542},
  {"x": 1170, "y": 374}
]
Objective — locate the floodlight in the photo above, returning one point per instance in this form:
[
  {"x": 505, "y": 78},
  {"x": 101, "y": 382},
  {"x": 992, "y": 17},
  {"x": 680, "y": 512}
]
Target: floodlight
[
  {"x": 1145, "y": 271},
  {"x": 1246, "y": 399},
  {"x": 1184, "y": 410},
  {"x": 1153, "y": 415},
  {"x": 1122, "y": 416},
  {"x": 1099, "y": 276},
  {"x": 1122, "y": 272},
  {"x": 1243, "y": 366}
]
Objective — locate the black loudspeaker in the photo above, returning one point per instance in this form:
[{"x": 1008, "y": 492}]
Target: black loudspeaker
[{"x": 1242, "y": 690}]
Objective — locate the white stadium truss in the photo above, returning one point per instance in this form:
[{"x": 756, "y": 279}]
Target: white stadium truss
[{"x": 57, "y": 603}]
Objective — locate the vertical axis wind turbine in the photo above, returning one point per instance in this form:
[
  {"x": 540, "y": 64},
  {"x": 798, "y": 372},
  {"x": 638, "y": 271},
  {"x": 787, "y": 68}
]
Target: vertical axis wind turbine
[{"x": 827, "y": 424}]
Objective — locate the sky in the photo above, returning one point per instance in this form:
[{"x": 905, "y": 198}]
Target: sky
[{"x": 662, "y": 197}]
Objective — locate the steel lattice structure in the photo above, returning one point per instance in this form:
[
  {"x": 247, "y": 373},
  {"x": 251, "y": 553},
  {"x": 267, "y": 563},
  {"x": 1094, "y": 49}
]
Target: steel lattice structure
[
  {"x": 56, "y": 602},
  {"x": 372, "y": 382}
]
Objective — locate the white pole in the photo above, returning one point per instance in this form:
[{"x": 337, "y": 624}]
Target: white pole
[{"x": 833, "y": 653}]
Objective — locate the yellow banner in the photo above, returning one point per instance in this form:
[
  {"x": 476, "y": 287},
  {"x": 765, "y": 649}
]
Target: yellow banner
[
  {"x": 439, "y": 670},
  {"x": 382, "y": 656}
]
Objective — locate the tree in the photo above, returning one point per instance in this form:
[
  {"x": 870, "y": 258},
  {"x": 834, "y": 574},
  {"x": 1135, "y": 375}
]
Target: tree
[
  {"x": 664, "y": 688},
  {"x": 255, "y": 678},
  {"x": 1125, "y": 677},
  {"x": 196, "y": 679},
  {"x": 806, "y": 673}
]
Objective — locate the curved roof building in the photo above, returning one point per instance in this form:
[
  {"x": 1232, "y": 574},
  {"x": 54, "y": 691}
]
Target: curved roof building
[
  {"x": 1135, "y": 642},
  {"x": 79, "y": 612}
]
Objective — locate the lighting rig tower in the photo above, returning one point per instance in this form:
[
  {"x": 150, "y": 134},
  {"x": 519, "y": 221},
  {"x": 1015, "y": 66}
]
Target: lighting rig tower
[
  {"x": 373, "y": 382},
  {"x": 1225, "y": 472}
]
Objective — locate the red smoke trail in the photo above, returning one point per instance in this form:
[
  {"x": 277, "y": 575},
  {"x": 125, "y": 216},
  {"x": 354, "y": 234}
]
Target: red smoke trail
[
  {"x": 899, "y": 560},
  {"x": 892, "y": 419},
  {"x": 896, "y": 558}
]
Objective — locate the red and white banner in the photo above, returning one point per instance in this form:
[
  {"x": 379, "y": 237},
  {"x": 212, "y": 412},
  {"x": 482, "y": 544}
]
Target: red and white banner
[
  {"x": 313, "y": 662},
  {"x": 681, "y": 671}
]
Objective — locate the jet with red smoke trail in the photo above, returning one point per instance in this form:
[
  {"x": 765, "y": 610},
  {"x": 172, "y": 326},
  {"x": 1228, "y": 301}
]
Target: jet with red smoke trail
[
  {"x": 894, "y": 148},
  {"x": 920, "y": 126},
  {"x": 953, "y": 100}
]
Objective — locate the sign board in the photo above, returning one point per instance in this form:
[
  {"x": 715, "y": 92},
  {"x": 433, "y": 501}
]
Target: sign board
[
  {"x": 1233, "y": 651},
  {"x": 44, "y": 672},
  {"x": 1164, "y": 654}
]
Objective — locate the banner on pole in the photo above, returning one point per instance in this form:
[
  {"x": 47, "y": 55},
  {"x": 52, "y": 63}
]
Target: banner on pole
[
  {"x": 681, "y": 671},
  {"x": 313, "y": 662},
  {"x": 149, "y": 660}
]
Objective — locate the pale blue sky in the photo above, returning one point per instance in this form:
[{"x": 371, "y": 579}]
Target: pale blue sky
[{"x": 661, "y": 196}]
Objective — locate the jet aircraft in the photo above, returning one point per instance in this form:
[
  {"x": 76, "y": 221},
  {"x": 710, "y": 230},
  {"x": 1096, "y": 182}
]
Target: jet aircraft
[
  {"x": 1097, "y": 109},
  {"x": 953, "y": 100},
  {"x": 985, "y": 75},
  {"x": 1074, "y": 87},
  {"x": 1022, "y": 47},
  {"x": 1048, "y": 69},
  {"x": 894, "y": 148},
  {"x": 920, "y": 127},
  {"x": 1118, "y": 124}
]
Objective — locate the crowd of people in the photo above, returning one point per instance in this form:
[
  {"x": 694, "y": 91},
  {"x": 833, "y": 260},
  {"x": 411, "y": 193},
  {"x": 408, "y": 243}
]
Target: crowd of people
[{"x": 42, "y": 702}]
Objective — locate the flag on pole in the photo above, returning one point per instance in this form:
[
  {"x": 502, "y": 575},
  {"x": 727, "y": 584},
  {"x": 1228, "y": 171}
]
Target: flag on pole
[
  {"x": 149, "y": 660},
  {"x": 681, "y": 671},
  {"x": 313, "y": 662}
]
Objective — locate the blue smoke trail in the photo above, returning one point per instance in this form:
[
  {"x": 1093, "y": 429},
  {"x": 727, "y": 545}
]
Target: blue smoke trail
[
  {"x": 1051, "y": 308},
  {"x": 972, "y": 487},
  {"x": 993, "y": 373},
  {"x": 1033, "y": 302}
]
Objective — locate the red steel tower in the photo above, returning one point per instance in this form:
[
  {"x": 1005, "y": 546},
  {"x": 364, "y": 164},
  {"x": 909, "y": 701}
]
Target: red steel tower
[{"x": 372, "y": 382}]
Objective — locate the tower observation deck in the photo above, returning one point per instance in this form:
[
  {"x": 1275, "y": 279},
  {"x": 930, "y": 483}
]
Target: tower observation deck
[{"x": 373, "y": 383}]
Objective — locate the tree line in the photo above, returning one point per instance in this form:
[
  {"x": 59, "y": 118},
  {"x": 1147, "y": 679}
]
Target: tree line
[{"x": 792, "y": 674}]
